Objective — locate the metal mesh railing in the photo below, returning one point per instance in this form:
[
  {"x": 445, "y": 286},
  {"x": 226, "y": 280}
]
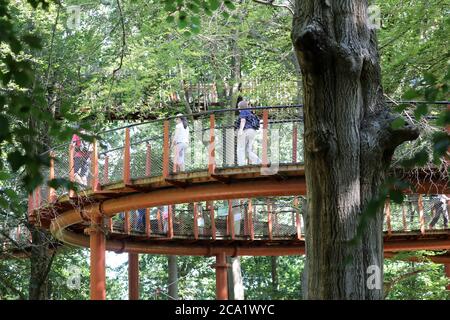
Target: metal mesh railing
[{"x": 417, "y": 213}]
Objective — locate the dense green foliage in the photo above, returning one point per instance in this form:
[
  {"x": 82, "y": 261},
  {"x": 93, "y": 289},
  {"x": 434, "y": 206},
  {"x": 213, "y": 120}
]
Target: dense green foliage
[{"x": 148, "y": 59}]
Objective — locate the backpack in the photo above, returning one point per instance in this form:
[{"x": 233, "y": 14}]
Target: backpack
[{"x": 252, "y": 119}]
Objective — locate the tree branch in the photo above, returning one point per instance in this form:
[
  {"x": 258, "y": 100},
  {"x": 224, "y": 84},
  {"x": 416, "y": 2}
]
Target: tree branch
[
  {"x": 122, "y": 52},
  {"x": 272, "y": 4}
]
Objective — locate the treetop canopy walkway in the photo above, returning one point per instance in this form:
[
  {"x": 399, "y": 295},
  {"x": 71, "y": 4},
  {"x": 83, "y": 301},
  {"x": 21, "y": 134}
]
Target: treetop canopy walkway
[{"x": 139, "y": 197}]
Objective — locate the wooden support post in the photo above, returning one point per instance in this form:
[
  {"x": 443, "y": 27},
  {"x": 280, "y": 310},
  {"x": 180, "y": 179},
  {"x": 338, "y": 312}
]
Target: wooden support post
[
  {"x": 126, "y": 158},
  {"x": 38, "y": 197},
  {"x": 158, "y": 218},
  {"x": 221, "y": 277},
  {"x": 105, "y": 170},
  {"x": 195, "y": 221},
  {"x": 250, "y": 220},
  {"x": 265, "y": 143},
  {"x": 71, "y": 169},
  {"x": 213, "y": 222},
  {"x": 97, "y": 268},
  {"x": 148, "y": 161},
  {"x": 294, "y": 142},
  {"x": 212, "y": 149},
  {"x": 126, "y": 223},
  {"x": 31, "y": 208},
  {"x": 298, "y": 220},
  {"x": 421, "y": 216},
  {"x": 110, "y": 224},
  {"x": 133, "y": 276},
  {"x": 387, "y": 210},
  {"x": 170, "y": 222},
  {"x": 51, "y": 191},
  {"x": 148, "y": 229},
  {"x": 166, "y": 150},
  {"x": 231, "y": 219},
  {"x": 269, "y": 219},
  {"x": 94, "y": 164}
]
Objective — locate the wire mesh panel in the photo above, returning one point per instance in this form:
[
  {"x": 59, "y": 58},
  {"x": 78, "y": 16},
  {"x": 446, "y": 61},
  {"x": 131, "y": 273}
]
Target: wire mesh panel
[
  {"x": 260, "y": 218},
  {"x": 407, "y": 216},
  {"x": 146, "y": 149},
  {"x": 137, "y": 221},
  {"x": 111, "y": 152},
  {"x": 204, "y": 221},
  {"x": 183, "y": 220},
  {"x": 118, "y": 223},
  {"x": 61, "y": 166}
]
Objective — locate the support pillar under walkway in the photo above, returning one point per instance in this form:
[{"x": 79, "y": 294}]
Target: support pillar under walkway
[
  {"x": 97, "y": 259},
  {"x": 133, "y": 276},
  {"x": 221, "y": 276}
]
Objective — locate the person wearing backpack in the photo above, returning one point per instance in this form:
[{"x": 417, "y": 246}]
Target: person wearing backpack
[
  {"x": 247, "y": 130},
  {"x": 80, "y": 159}
]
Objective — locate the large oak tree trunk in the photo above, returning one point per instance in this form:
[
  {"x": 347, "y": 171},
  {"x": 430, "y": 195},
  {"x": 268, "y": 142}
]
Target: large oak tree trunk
[
  {"x": 41, "y": 261},
  {"x": 348, "y": 144}
]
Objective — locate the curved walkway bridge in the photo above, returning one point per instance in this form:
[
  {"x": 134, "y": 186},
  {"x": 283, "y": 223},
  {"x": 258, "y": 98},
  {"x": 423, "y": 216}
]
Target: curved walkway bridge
[{"x": 137, "y": 200}]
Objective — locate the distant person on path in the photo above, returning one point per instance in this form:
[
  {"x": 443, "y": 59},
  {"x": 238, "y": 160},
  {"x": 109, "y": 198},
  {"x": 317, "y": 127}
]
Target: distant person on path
[
  {"x": 180, "y": 142},
  {"x": 247, "y": 129},
  {"x": 81, "y": 156},
  {"x": 440, "y": 208}
]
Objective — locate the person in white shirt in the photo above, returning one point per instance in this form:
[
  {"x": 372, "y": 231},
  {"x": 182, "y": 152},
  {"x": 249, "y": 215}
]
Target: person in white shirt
[{"x": 180, "y": 142}]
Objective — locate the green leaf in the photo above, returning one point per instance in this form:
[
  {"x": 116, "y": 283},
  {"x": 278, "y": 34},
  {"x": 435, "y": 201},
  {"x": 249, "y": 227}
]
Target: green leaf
[
  {"x": 411, "y": 94},
  {"x": 396, "y": 196},
  {"x": 33, "y": 41},
  {"x": 397, "y": 123},
  {"x": 170, "y": 6},
  {"x": 5, "y": 175},
  {"x": 4, "y": 203},
  {"x": 421, "y": 110},
  {"x": 193, "y": 7},
  {"x": 214, "y": 4},
  {"x": 182, "y": 20},
  {"x": 230, "y": 5}
]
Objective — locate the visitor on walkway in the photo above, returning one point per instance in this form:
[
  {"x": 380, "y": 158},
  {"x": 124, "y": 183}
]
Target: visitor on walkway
[
  {"x": 248, "y": 126},
  {"x": 439, "y": 208},
  {"x": 164, "y": 211},
  {"x": 81, "y": 155},
  {"x": 180, "y": 142}
]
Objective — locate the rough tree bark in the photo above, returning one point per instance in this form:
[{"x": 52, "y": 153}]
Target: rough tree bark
[
  {"x": 348, "y": 144},
  {"x": 41, "y": 261},
  {"x": 173, "y": 277}
]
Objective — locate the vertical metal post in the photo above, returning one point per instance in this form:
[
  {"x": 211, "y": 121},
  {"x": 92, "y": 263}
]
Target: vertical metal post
[
  {"x": 133, "y": 276},
  {"x": 97, "y": 258},
  {"x": 421, "y": 216},
  {"x": 265, "y": 161},
  {"x": 212, "y": 149},
  {"x": 221, "y": 277},
  {"x": 166, "y": 150},
  {"x": 387, "y": 209},
  {"x": 94, "y": 163},
  {"x": 51, "y": 191},
  {"x": 126, "y": 158}
]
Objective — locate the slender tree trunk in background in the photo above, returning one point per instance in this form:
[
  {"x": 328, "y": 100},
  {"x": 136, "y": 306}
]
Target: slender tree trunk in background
[
  {"x": 348, "y": 144},
  {"x": 41, "y": 261},
  {"x": 274, "y": 273},
  {"x": 237, "y": 290},
  {"x": 173, "y": 277},
  {"x": 230, "y": 279}
]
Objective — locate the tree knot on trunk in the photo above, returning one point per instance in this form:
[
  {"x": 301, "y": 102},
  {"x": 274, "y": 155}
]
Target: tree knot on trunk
[
  {"x": 399, "y": 134},
  {"x": 320, "y": 141}
]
